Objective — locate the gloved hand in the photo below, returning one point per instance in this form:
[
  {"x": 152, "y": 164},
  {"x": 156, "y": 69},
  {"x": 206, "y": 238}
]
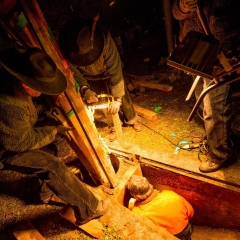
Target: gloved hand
[
  {"x": 48, "y": 112},
  {"x": 114, "y": 107},
  {"x": 90, "y": 96},
  {"x": 62, "y": 130},
  {"x": 188, "y": 5}
]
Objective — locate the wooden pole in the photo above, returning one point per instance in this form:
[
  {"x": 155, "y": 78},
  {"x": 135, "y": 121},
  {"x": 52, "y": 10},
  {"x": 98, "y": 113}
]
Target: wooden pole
[
  {"x": 86, "y": 134},
  {"x": 118, "y": 129},
  {"x": 168, "y": 24}
]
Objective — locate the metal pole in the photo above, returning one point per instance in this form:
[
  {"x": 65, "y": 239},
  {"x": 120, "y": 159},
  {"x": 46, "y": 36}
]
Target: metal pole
[{"x": 168, "y": 24}]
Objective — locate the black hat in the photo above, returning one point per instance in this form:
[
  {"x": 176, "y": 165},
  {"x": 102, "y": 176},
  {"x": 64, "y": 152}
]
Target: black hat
[
  {"x": 35, "y": 68},
  {"x": 78, "y": 44}
]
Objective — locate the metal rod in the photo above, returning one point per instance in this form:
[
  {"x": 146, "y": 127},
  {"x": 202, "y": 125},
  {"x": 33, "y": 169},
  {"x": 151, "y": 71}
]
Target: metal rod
[
  {"x": 201, "y": 19},
  {"x": 207, "y": 90},
  {"x": 196, "y": 80}
]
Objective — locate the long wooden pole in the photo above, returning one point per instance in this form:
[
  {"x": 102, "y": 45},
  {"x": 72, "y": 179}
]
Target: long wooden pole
[{"x": 86, "y": 132}]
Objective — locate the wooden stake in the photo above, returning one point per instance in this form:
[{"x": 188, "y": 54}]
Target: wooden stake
[{"x": 118, "y": 129}]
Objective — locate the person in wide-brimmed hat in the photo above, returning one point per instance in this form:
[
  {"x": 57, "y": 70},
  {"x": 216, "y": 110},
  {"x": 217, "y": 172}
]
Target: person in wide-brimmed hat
[
  {"x": 95, "y": 61},
  {"x": 34, "y": 68},
  {"x": 23, "y": 76}
]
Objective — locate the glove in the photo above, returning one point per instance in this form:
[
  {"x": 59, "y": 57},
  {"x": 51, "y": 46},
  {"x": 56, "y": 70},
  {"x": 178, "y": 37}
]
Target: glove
[
  {"x": 114, "y": 107},
  {"x": 62, "y": 130},
  {"x": 48, "y": 112},
  {"x": 188, "y": 5},
  {"x": 90, "y": 96}
]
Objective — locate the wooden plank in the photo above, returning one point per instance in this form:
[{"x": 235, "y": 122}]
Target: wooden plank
[
  {"x": 26, "y": 231},
  {"x": 118, "y": 129},
  {"x": 81, "y": 120},
  {"x": 145, "y": 113},
  {"x": 162, "y": 87},
  {"x": 144, "y": 77},
  {"x": 126, "y": 225},
  {"x": 93, "y": 227}
]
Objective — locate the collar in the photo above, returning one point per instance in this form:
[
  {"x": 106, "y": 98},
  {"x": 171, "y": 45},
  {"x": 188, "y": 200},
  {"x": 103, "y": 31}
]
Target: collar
[{"x": 149, "y": 199}]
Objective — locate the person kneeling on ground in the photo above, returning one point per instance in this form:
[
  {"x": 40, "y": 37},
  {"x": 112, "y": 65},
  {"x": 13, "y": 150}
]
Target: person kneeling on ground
[
  {"x": 164, "y": 208},
  {"x": 23, "y": 76}
]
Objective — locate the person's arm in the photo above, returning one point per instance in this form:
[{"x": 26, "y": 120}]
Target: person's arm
[
  {"x": 131, "y": 203},
  {"x": 87, "y": 94},
  {"x": 114, "y": 68},
  {"x": 78, "y": 76},
  {"x": 16, "y": 132}
]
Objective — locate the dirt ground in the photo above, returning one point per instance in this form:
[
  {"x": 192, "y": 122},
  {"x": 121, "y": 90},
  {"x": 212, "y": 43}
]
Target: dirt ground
[{"x": 20, "y": 203}]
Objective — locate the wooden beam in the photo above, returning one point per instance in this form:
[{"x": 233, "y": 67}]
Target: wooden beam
[
  {"x": 93, "y": 227},
  {"x": 135, "y": 77},
  {"x": 88, "y": 137},
  {"x": 162, "y": 87},
  {"x": 145, "y": 113},
  {"x": 26, "y": 231}
]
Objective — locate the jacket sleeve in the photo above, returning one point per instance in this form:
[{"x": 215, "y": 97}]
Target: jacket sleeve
[
  {"x": 16, "y": 132},
  {"x": 114, "y": 67},
  {"x": 78, "y": 76}
]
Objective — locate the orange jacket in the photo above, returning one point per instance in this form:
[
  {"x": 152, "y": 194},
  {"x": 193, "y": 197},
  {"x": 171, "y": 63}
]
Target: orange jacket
[{"x": 166, "y": 209}]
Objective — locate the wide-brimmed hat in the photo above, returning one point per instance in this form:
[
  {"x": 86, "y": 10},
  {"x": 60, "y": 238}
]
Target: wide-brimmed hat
[
  {"x": 35, "y": 68},
  {"x": 78, "y": 44}
]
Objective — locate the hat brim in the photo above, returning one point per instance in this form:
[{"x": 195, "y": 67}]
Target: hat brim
[
  {"x": 68, "y": 37},
  {"x": 11, "y": 60}
]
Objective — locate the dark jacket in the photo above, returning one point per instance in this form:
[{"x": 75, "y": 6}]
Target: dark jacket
[{"x": 222, "y": 18}]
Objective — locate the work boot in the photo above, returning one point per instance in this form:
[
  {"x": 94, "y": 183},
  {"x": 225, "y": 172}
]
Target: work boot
[
  {"x": 208, "y": 165},
  {"x": 212, "y": 164},
  {"x": 112, "y": 135},
  {"x": 137, "y": 126},
  {"x": 102, "y": 208}
]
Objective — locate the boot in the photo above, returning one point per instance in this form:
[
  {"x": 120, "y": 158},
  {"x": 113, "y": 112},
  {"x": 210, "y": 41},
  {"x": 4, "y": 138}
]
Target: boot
[
  {"x": 102, "y": 208},
  {"x": 212, "y": 164},
  {"x": 209, "y": 165},
  {"x": 112, "y": 135},
  {"x": 137, "y": 126}
]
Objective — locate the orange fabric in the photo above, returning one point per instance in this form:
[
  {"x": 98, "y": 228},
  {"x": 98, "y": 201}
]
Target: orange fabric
[{"x": 167, "y": 209}]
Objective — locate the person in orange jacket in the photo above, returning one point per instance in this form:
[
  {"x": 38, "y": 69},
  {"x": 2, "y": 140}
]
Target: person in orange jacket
[{"x": 164, "y": 208}]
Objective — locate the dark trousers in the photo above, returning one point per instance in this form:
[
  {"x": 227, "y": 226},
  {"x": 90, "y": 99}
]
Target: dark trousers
[
  {"x": 55, "y": 177},
  {"x": 186, "y": 233}
]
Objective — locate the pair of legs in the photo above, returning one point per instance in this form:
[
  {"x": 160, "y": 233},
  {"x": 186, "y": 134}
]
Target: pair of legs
[
  {"x": 55, "y": 178},
  {"x": 217, "y": 120},
  {"x": 130, "y": 115}
]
